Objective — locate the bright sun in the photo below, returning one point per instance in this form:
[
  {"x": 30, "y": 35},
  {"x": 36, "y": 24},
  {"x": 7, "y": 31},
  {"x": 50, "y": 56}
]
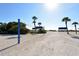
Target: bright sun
[{"x": 51, "y": 6}]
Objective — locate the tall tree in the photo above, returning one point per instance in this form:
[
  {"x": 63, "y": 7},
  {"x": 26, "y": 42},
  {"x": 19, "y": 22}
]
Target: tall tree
[
  {"x": 39, "y": 24},
  {"x": 66, "y": 19},
  {"x": 75, "y": 23},
  {"x": 34, "y": 21}
]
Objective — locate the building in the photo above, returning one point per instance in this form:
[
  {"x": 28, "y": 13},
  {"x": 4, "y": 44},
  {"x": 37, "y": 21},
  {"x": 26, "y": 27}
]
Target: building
[
  {"x": 62, "y": 29},
  {"x": 38, "y": 28}
]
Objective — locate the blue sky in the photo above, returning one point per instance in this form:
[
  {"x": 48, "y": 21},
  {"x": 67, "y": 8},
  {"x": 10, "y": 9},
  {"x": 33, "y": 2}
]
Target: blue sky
[{"x": 51, "y": 19}]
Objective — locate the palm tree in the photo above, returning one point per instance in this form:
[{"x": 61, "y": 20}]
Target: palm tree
[
  {"x": 39, "y": 24},
  {"x": 34, "y": 21},
  {"x": 66, "y": 19},
  {"x": 75, "y": 23},
  {"x": 34, "y": 18}
]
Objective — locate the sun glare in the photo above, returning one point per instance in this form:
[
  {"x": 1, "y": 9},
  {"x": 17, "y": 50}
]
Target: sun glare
[{"x": 51, "y": 6}]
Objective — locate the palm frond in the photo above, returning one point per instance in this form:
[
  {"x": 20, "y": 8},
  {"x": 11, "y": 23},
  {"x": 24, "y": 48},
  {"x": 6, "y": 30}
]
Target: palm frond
[
  {"x": 34, "y": 17},
  {"x": 74, "y": 23},
  {"x": 66, "y": 19}
]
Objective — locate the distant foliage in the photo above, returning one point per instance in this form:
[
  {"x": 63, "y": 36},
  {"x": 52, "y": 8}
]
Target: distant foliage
[
  {"x": 53, "y": 30},
  {"x": 41, "y": 31},
  {"x": 12, "y": 28}
]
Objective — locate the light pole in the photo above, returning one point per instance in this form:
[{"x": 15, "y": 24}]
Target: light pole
[{"x": 18, "y": 31}]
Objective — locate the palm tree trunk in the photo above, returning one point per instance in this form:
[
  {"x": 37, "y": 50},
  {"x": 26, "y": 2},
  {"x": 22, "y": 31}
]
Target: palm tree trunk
[
  {"x": 39, "y": 25},
  {"x": 35, "y": 26},
  {"x": 75, "y": 29},
  {"x": 67, "y": 27}
]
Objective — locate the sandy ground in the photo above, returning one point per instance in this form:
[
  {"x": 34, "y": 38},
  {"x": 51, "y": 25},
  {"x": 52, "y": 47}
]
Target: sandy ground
[{"x": 50, "y": 44}]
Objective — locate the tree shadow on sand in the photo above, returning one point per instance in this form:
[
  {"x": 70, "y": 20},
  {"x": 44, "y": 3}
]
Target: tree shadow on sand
[
  {"x": 8, "y": 47},
  {"x": 74, "y": 36},
  {"x": 7, "y": 34},
  {"x": 12, "y": 37}
]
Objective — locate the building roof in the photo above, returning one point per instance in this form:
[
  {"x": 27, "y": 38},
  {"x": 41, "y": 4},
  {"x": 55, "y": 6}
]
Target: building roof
[{"x": 62, "y": 28}]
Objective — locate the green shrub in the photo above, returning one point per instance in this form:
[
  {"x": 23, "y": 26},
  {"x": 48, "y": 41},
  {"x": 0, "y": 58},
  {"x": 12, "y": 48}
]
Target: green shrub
[
  {"x": 24, "y": 30},
  {"x": 41, "y": 31},
  {"x": 12, "y": 28}
]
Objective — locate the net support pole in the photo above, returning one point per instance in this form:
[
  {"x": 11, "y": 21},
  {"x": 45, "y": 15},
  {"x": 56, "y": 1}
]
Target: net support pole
[{"x": 18, "y": 31}]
